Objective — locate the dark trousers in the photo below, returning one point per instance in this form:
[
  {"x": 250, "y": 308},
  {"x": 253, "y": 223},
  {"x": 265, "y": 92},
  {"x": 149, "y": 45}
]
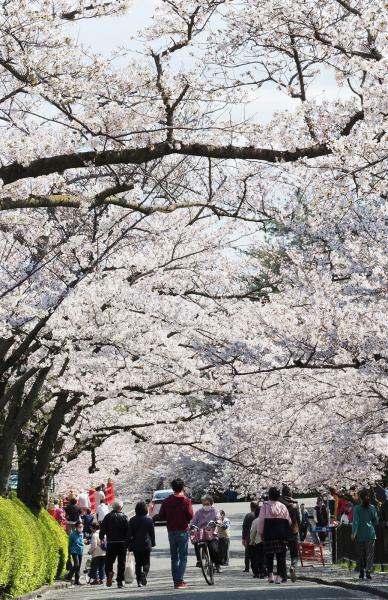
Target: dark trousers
[
  {"x": 366, "y": 552},
  {"x": 223, "y": 551},
  {"x": 76, "y": 567},
  {"x": 116, "y": 550},
  {"x": 213, "y": 551},
  {"x": 142, "y": 562},
  {"x": 281, "y": 568},
  {"x": 292, "y": 543},
  {"x": 303, "y": 532},
  {"x": 257, "y": 559},
  {"x": 97, "y": 568},
  {"x": 247, "y": 558}
]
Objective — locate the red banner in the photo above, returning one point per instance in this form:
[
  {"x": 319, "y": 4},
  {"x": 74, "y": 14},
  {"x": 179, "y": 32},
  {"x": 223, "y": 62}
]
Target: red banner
[
  {"x": 92, "y": 499},
  {"x": 109, "y": 492}
]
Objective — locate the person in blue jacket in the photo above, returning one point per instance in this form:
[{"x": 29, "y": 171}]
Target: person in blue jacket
[
  {"x": 76, "y": 550},
  {"x": 365, "y": 519}
]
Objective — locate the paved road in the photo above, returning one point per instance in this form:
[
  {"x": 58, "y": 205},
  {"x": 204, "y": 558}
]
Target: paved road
[{"x": 232, "y": 584}]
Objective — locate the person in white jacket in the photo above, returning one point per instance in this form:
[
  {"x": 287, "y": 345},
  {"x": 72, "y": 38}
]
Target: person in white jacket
[
  {"x": 98, "y": 553},
  {"x": 102, "y": 511}
]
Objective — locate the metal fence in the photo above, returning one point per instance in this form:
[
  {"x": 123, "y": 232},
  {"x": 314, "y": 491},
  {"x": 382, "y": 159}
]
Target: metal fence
[{"x": 345, "y": 549}]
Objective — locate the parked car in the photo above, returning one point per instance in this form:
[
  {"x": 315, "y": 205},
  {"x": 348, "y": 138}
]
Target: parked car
[{"x": 157, "y": 499}]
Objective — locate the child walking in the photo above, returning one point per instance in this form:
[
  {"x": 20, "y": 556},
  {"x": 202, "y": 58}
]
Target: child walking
[
  {"x": 98, "y": 554},
  {"x": 76, "y": 550}
]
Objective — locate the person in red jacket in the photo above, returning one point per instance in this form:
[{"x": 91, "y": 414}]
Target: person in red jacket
[{"x": 177, "y": 511}]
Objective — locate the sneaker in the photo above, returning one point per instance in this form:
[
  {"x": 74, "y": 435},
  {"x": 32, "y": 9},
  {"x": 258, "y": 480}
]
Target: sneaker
[
  {"x": 218, "y": 570},
  {"x": 271, "y": 578},
  {"x": 278, "y": 579},
  {"x": 143, "y": 579},
  {"x": 180, "y": 585},
  {"x": 109, "y": 580}
]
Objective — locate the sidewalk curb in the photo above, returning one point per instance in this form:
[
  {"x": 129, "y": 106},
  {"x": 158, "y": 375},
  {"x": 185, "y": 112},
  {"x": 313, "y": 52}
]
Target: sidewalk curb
[
  {"x": 346, "y": 585},
  {"x": 59, "y": 585}
]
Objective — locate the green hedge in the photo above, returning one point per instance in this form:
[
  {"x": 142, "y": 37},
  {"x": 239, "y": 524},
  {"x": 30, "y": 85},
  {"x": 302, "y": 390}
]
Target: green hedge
[{"x": 33, "y": 548}]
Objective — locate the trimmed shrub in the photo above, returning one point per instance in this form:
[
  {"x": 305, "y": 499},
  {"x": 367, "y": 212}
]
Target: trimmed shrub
[
  {"x": 34, "y": 548},
  {"x": 58, "y": 555}
]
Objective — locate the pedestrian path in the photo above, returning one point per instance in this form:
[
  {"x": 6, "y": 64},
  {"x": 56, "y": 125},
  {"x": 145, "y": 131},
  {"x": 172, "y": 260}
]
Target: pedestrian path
[
  {"x": 232, "y": 584},
  {"x": 333, "y": 575}
]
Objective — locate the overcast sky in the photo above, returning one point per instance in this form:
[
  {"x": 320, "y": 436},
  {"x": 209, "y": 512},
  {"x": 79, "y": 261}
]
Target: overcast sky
[{"x": 108, "y": 33}]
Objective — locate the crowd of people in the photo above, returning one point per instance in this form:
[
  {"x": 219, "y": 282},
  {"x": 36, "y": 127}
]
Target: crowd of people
[{"x": 273, "y": 526}]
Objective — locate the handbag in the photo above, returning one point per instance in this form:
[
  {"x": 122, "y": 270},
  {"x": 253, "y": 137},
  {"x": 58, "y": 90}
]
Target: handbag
[{"x": 129, "y": 573}]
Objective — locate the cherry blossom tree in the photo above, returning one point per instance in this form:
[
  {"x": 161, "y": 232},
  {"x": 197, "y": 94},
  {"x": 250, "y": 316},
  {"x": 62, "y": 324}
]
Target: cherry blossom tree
[{"x": 131, "y": 187}]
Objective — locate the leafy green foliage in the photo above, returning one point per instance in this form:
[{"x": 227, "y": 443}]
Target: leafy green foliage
[{"x": 34, "y": 548}]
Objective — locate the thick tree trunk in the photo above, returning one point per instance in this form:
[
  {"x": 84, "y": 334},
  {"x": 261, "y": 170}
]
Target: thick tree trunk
[
  {"x": 7, "y": 448},
  {"x": 32, "y": 488},
  {"x": 35, "y": 457}
]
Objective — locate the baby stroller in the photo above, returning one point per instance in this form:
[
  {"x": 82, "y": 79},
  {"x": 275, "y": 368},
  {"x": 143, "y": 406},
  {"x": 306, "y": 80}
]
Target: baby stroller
[{"x": 87, "y": 568}]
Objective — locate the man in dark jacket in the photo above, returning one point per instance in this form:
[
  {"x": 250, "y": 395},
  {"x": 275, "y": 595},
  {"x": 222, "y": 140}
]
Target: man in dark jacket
[
  {"x": 73, "y": 515},
  {"x": 293, "y": 537},
  {"x": 177, "y": 511},
  {"x": 115, "y": 527},
  {"x": 141, "y": 540},
  {"x": 246, "y": 533}
]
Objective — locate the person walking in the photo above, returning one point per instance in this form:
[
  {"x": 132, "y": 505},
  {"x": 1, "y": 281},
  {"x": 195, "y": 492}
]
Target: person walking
[
  {"x": 321, "y": 518},
  {"x": 384, "y": 521},
  {"x": 83, "y": 501},
  {"x": 224, "y": 539},
  {"x": 208, "y": 513},
  {"x": 87, "y": 520},
  {"x": 76, "y": 550},
  {"x": 141, "y": 540},
  {"x": 102, "y": 511},
  {"x": 99, "y": 494},
  {"x": 304, "y": 522},
  {"x": 256, "y": 548},
  {"x": 177, "y": 511},
  {"x": 73, "y": 515},
  {"x": 273, "y": 527},
  {"x": 98, "y": 554},
  {"x": 293, "y": 533},
  {"x": 365, "y": 519},
  {"x": 246, "y": 533},
  {"x": 115, "y": 528}
]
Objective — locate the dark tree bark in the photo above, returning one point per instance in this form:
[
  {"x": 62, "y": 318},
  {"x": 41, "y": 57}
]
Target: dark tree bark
[
  {"x": 20, "y": 407},
  {"x": 35, "y": 456},
  {"x": 136, "y": 156}
]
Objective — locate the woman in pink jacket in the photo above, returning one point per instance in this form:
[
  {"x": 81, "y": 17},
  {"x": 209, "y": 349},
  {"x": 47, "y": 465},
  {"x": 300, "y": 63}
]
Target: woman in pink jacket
[{"x": 273, "y": 526}]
